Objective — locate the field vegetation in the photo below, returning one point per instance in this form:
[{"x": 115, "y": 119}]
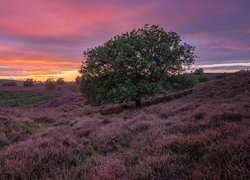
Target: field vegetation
[
  {"x": 200, "y": 132},
  {"x": 16, "y": 99}
]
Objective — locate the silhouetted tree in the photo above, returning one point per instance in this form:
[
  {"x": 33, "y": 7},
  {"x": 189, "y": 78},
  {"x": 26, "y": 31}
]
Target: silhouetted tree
[
  {"x": 199, "y": 71},
  {"x": 133, "y": 65},
  {"x": 28, "y": 82},
  {"x": 50, "y": 84},
  {"x": 78, "y": 80},
  {"x": 60, "y": 81}
]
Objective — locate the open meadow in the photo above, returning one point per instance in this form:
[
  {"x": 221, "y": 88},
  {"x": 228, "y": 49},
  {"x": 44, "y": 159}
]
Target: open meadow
[{"x": 197, "y": 133}]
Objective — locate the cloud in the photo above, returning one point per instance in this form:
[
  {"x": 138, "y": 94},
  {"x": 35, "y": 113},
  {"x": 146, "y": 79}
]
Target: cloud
[
  {"x": 60, "y": 30},
  {"x": 33, "y": 68}
]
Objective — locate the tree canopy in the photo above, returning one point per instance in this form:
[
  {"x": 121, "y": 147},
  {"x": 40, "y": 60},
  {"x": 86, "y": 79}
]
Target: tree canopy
[{"x": 133, "y": 65}]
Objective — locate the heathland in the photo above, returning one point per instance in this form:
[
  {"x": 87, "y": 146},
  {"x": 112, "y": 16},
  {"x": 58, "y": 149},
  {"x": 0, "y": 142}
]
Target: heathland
[{"x": 200, "y": 132}]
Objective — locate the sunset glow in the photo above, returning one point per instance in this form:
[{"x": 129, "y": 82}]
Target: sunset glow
[{"x": 46, "y": 38}]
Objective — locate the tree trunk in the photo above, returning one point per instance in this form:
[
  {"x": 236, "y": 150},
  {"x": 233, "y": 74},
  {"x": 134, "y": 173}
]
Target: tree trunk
[{"x": 138, "y": 103}]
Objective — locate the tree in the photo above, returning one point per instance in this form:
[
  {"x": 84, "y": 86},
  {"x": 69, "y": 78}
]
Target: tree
[
  {"x": 60, "y": 81},
  {"x": 50, "y": 84},
  {"x": 133, "y": 65},
  {"x": 78, "y": 79},
  {"x": 199, "y": 71},
  {"x": 28, "y": 82}
]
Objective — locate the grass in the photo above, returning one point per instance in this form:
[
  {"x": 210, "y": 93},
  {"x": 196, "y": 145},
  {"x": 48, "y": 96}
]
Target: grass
[
  {"x": 33, "y": 128},
  {"x": 14, "y": 99}
]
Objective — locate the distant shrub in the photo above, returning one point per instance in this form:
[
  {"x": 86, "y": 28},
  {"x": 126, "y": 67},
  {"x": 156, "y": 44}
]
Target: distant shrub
[
  {"x": 182, "y": 81},
  {"x": 7, "y": 84},
  {"x": 244, "y": 70},
  {"x": 60, "y": 81},
  {"x": 199, "y": 71},
  {"x": 50, "y": 84},
  {"x": 78, "y": 80},
  {"x": 28, "y": 82}
]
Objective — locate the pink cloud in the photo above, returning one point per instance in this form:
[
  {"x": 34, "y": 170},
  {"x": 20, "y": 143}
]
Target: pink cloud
[
  {"x": 7, "y": 48},
  {"x": 59, "y": 30},
  {"x": 236, "y": 46}
]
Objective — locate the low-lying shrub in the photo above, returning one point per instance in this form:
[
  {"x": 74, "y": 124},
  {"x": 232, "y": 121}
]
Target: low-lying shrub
[
  {"x": 42, "y": 157},
  {"x": 229, "y": 160},
  {"x": 202, "y": 78},
  {"x": 182, "y": 81}
]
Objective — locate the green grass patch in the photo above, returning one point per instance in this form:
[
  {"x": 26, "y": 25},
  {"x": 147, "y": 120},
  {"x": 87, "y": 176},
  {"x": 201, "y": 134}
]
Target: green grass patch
[
  {"x": 79, "y": 161},
  {"x": 188, "y": 154},
  {"x": 16, "y": 99},
  {"x": 124, "y": 143},
  {"x": 34, "y": 128}
]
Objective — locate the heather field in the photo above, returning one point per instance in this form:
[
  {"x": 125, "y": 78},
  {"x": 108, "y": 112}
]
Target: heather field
[{"x": 199, "y": 133}]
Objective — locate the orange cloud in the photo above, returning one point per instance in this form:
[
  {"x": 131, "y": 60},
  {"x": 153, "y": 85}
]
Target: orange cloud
[
  {"x": 21, "y": 69},
  {"x": 46, "y": 37}
]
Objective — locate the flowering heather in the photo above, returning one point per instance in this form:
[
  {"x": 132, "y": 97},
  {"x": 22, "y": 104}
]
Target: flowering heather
[
  {"x": 229, "y": 160},
  {"x": 199, "y": 133},
  {"x": 42, "y": 156},
  {"x": 109, "y": 168},
  {"x": 13, "y": 127}
]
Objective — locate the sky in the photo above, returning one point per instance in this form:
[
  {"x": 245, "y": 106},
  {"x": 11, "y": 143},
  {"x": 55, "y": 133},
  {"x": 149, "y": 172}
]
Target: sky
[{"x": 46, "y": 38}]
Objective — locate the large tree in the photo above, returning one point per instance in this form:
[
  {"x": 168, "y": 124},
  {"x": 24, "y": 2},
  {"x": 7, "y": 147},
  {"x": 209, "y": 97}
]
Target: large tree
[{"x": 133, "y": 65}]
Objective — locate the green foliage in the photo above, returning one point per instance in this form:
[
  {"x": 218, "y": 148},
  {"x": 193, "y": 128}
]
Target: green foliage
[
  {"x": 28, "y": 83},
  {"x": 192, "y": 152},
  {"x": 133, "y": 65},
  {"x": 11, "y": 99},
  {"x": 202, "y": 78},
  {"x": 181, "y": 81},
  {"x": 33, "y": 128}
]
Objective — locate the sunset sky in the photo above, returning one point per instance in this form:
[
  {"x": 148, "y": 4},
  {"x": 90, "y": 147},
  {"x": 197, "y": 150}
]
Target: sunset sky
[{"x": 46, "y": 38}]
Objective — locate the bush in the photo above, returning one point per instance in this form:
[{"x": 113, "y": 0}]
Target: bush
[
  {"x": 199, "y": 71},
  {"x": 244, "y": 71},
  {"x": 60, "y": 81},
  {"x": 182, "y": 81},
  {"x": 50, "y": 84},
  {"x": 202, "y": 78},
  {"x": 28, "y": 83}
]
